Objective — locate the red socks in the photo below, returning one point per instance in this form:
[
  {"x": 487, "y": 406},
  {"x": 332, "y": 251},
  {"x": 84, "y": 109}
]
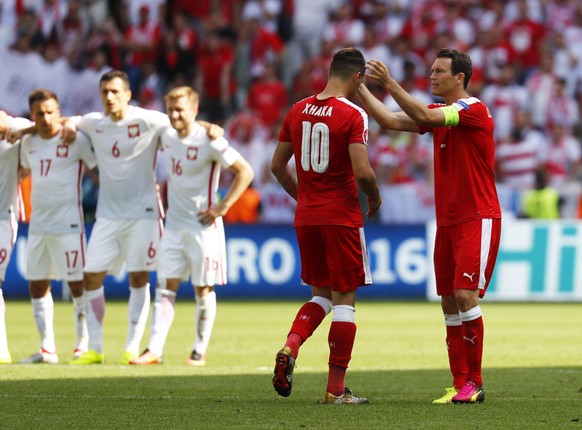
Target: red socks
[
  {"x": 307, "y": 320},
  {"x": 473, "y": 333},
  {"x": 341, "y": 341},
  {"x": 456, "y": 351}
]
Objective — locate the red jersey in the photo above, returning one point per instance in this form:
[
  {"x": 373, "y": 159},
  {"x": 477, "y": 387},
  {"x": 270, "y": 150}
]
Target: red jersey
[
  {"x": 464, "y": 165},
  {"x": 320, "y": 132}
]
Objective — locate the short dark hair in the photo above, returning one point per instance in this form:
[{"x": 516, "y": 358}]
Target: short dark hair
[
  {"x": 112, "y": 74},
  {"x": 346, "y": 62},
  {"x": 460, "y": 63},
  {"x": 41, "y": 95}
]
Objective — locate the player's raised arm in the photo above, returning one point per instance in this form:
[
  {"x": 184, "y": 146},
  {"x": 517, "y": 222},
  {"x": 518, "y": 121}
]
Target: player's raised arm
[{"x": 413, "y": 108}]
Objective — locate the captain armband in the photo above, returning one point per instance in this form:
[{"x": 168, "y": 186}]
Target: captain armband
[{"x": 451, "y": 115}]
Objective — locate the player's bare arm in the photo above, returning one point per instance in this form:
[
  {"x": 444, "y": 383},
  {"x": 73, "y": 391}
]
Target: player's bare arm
[
  {"x": 413, "y": 107},
  {"x": 365, "y": 177},
  {"x": 243, "y": 176},
  {"x": 384, "y": 117},
  {"x": 282, "y": 171}
]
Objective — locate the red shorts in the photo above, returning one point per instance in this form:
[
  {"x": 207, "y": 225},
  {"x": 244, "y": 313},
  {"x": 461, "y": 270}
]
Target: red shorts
[
  {"x": 333, "y": 256},
  {"x": 465, "y": 254}
]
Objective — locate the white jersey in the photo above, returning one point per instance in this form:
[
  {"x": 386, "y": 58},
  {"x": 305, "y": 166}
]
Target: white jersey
[
  {"x": 9, "y": 207},
  {"x": 56, "y": 170},
  {"x": 193, "y": 164},
  {"x": 126, "y": 157}
]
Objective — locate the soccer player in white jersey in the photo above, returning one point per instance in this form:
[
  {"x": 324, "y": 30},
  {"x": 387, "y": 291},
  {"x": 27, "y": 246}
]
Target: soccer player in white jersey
[
  {"x": 56, "y": 240},
  {"x": 128, "y": 227},
  {"x": 9, "y": 214},
  {"x": 193, "y": 244}
]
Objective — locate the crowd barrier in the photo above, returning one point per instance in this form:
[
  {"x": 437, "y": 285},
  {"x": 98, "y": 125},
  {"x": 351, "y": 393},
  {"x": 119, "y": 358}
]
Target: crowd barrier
[{"x": 538, "y": 261}]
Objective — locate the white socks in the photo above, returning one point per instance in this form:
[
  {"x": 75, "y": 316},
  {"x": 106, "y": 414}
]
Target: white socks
[
  {"x": 95, "y": 311},
  {"x": 3, "y": 338},
  {"x": 80, "y": 323},
  {"x": 43, "y": 311},
  {"x": 205, "y": 316},
  {"x": 162, "y": 319},
  {"x": 139, "y": 307}
]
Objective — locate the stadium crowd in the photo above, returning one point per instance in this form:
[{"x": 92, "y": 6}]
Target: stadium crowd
[{"x": 251, "y": 59}]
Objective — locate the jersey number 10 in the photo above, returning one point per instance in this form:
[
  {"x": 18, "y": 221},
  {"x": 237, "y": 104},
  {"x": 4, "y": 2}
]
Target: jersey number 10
[{"x": 315, "y": 147}]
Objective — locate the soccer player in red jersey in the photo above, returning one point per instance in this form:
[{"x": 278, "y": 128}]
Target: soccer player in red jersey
[
  {"x": 327, "y": 134},
  {"x": 468, "y": 215}
]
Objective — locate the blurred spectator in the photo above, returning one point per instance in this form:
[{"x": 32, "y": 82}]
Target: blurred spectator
[
  {"x": 141, "y": 42},
  {"x": 560, "y": 14},
  {"x": 50, "y": 14},
  {"x": 505, "y": 99},
  {"x": 541, "y": 86},
  {"x": 214, "y": 80},
  {"x": 28, "y": 35},
  {"x": 518, "y": 159},
  {"x": 135, "y": 10},
  {"x": 374, "y": 48},
  {"x": 249, "y": 136},
  {"x": 265, "y": 11},
  {"x": 572, "y": 47},
  {"x": 490, "y": 54},
  {"x": 246, "y": 210},
  {"x": 386, "y": 18},
  {"x": 71, "y": 33},
  {"x": 525, "y": 37},
  {"x": 309, "y": 19},
  {"x": 564, "y": 155},
  {"x": 108, "y": 39},
  {"x": 277, "y": 206},
  {"x": 267, "y": 98},
  {"x": 344, "y": 29},
  {"x": 457, "y": 25},
  {"x": 541, "y": 202},
  {"x": 421, "y": 27},
  {"x": 561, "y": 107},
  {"x": 93, "y": 12}
]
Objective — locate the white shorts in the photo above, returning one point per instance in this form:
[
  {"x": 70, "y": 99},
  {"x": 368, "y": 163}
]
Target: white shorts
[
  {"x": 199, "y": 255},
  {"x": 8, "y": 230},
  {"x": 55, "y": 256},
  {"x": 133, "y": 241}
]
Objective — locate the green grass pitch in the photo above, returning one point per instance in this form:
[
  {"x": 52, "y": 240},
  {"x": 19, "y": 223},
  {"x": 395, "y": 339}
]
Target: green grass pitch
[{"x": 532, "y": 372}]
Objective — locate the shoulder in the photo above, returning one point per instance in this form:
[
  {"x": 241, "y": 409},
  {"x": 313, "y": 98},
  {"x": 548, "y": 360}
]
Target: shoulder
[
  {"x": 469, "y": 103},
  {"x": 147, "y": 114},
  {"x": 93, "y": 116}
]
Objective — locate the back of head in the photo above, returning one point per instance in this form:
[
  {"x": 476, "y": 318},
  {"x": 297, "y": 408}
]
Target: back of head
[{"x": 346, "y": 62}]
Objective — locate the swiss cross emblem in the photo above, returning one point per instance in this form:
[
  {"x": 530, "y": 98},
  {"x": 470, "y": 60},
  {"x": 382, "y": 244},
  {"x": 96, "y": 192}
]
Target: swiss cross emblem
[
  {"x": 133, "y": 130},
  {"x": 192, "y": 153},
  {"x": 62, "y": 151}
]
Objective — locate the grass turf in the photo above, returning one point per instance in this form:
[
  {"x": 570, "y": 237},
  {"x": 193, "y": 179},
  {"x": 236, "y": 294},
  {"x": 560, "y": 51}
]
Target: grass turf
[{"x": 532, "y": 372}]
